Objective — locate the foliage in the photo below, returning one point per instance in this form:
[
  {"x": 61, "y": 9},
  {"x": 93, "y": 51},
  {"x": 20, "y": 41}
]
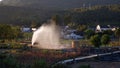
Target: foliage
[
  {"x": 72, "y": 25},
  {"x": 33, "y": 17},
  {"x": 109, "y": 32},
  {"x": 33, "y": 24},
  {"x": 57, "y": 19},
  {"x": 9, "y": 62},
  {"x": 95, "y": 40},
  {"x": 27, "y": 35},
  {"x": 96, "y": 13},
  {"x": 8, "y": 32},
  {"x": 105, "y": 39},
  {"x": 117, "y": 32},
  {"x": 78, "y": 27},
  {"x": 60, "y": 66},
  {"x": 89, "y": 33},
  {"x": 14, "y": 46},
  {"x": 81, "y": 27},
  {"x": 40, "y": 64},
  {"x": 84, "y": 66},
  {"x": 67, "y": 19}
]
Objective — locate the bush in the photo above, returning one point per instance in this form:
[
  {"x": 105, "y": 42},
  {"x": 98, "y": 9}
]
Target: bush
[
  {"x": 84, "y": 66},
  {"x": 14, "y": 46},
  {"x": 9, "y": 62},
  {"x": 39, "y": 64},
  {"x": 95, "y": 40},
  {"x": 60, "y": 66},
  {"x": 105, "y": 39}
]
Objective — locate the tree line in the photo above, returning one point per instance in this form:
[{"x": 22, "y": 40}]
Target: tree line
[
  {"x": 102, "y": 38},
  {"x": 8, "y": 32},
  {"x": 95, "y": 15}
]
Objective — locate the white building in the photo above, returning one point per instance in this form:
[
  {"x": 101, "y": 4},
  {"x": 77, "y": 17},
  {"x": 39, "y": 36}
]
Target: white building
[
  {"x": 103, "y": 28},
  {"x": 25, "y": 29}
]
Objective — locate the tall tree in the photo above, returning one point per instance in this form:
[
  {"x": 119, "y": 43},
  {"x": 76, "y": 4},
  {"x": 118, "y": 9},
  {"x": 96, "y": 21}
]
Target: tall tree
[
  {"x": 56, "y": 19},
  {"x": 95, "y": 40},
  {"x": 8, "y": 32},
  {"x": 105, "y": 39},
  {"x": 67, "y": 19},
  {"x": 89, "y": 33}
]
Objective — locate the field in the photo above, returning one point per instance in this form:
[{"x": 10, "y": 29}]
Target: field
[
  {"x": 21, "y": 55},
  {"x": 24, "y": 56}
]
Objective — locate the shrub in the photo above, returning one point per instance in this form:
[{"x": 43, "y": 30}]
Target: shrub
[
  {"x": 60, "y": 66},
  {"x": 84, "y": 66},
  {"x": 105, "y": 39},
  {"x": 95, "y": 40},
  {"x": 39, "y": 64},
  {"x": 9, "y": 62}
]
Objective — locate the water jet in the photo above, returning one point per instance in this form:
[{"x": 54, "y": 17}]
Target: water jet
[{"x": 48, "y": 37}]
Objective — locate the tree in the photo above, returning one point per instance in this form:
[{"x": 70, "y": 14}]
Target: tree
[
  {"x": 67, "y": 19},
  {"x": 8, "y": 32},
  {"x": 33, "y": 24},
  {"x": 81, "y": 27},
  {"x": 105, "y": 39},
  {"x": 56, "y": 19},
  {"x": 117, "y": 33},
  {"x": 72, "y": 25},
  {"x": 89, "y": 33},
  {"x": 95, "y": 40},
  {"x": 17, "y": 33},
  {"x": 109, "y": 32}
]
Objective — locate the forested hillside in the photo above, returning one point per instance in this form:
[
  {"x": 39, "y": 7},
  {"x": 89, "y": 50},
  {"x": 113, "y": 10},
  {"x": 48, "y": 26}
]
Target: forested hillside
[
  {"x": 93, "y": 15},
  {"x": 90, "y": 15},
  {"x": 98, "y": 15},
  {"x": 23, "y": 16},
  {"x": 58, "y": 4}
]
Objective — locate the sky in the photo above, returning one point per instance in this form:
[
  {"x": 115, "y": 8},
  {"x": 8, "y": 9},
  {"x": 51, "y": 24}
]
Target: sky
[{"x": 0, "y": 0}]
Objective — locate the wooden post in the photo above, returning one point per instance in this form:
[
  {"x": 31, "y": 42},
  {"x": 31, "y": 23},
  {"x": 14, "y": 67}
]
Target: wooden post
[{"x": 73, "y": 44}]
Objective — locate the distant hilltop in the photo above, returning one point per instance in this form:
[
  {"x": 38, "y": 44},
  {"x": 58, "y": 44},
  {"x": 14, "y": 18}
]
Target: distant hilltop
[{"x": 58, "y": 4}]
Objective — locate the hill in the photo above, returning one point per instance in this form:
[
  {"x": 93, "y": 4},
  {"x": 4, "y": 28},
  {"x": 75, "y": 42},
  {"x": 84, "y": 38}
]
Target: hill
[
  {"x": 103, "y": 15},
  {"x": 88, "y": 15},
  {"x": 98, "y": 15},
  {"x": 23, "y": 16},
  {"x": 58, "y": 4}
]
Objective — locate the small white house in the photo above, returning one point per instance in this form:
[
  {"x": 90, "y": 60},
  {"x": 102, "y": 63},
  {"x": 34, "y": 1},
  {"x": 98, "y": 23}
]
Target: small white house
[{"x": 102, "y": 28}]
